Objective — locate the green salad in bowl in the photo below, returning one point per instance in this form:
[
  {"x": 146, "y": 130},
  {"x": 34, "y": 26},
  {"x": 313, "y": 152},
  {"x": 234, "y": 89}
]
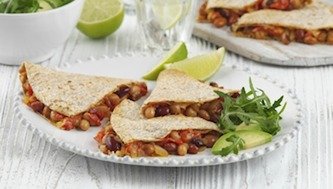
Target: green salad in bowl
[
  {"x": 34, "y": 29},
  {"x": 30, "y": 6}
]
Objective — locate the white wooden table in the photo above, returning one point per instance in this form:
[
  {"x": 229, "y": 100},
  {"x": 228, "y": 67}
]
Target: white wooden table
[{"x": 26, "y": 161}]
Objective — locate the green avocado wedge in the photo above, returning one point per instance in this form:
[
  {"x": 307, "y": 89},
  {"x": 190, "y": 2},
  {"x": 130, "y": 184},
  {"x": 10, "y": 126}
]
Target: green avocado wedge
[
  {"x": 250, "y": 127},
  {"x": 252, "y": 138}
]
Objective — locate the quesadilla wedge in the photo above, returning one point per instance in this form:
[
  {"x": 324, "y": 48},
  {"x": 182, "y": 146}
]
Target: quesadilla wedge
[
  {"x": 177, "y": 93},
  {"x": 311, "y": 25},
  {"x": 227, "y": 12},
  {"x": 70, "y": 100},
  {"x": 131, "y": 134}
]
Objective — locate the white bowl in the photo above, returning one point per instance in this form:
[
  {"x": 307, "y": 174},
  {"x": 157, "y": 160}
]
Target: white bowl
[{"x": 35, "y": 36}]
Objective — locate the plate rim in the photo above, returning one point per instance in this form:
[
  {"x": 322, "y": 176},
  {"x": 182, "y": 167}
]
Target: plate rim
[{"x": 157, "y": 161}]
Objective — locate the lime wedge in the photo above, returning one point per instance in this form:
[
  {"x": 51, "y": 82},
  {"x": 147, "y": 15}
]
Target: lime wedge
[
  {"x": 201, "y": 67},
  {"x": 100, "y": 18},
  {"x": 167, "y": 13},
  {"x": 177, "y": 53}
]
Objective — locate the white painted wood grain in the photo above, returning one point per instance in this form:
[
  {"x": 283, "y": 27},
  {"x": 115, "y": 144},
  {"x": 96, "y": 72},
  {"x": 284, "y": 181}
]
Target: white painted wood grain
[{"x": 26, "y": 161}]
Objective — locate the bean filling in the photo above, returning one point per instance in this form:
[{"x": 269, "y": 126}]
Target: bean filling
[
  {"x": 210, "y": 111},
  {"x": 83, "y": 121},
  {"x": 220, "y": 17},
  {"x": 177, "y": 143},
  {"x": 287, "y": 35}
]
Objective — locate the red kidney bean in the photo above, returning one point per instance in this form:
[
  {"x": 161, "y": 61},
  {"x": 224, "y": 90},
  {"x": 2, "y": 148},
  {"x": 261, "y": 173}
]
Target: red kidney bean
[
  {"x": 162, "y": 110},
  {"x": 112, "y": 144},
  {"x": 214, "y": 117},
  {"x": 233, "y": 18},
  {"x": 170, "y": 147},
  {"x": 224, "y": 13},
  {"x": 37, "y": 106},
  {"x": 193, "y": 149},
  {"x": 197, "y": 141},
  {"x": 299, "y": 34},
  {"x": 123, "y": 90},
  {"x": 205, "y": 106}
]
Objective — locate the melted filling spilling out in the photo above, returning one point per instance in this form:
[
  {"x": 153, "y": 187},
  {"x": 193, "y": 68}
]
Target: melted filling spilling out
[
  {"x": 83, "y": 121},
  {"x": 220, "y": 17},
  {"x": 287, "y": 35},
  {"x": 180, "y": 142}
]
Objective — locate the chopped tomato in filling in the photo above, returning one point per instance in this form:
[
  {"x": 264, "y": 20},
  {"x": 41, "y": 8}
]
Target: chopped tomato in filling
[
  {"x": 83, "y": 121},
  {"x": 177, "y": 143},
  {"x": 287, "y": 35},
  {"x": 220, "y": 17}
]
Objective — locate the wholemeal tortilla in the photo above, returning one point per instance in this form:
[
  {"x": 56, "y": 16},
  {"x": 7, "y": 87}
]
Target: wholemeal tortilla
[
  {"x": 312, "y": 17},
  {"x": 130, "y": 126},
  {"x": 68, "y": 93},
  {"x": 176, "y": 86},
  {"x": 230, "y": 4}
]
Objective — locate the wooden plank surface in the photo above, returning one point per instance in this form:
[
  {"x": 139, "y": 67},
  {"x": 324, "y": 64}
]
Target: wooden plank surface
[{"x": 26, "y": 161}]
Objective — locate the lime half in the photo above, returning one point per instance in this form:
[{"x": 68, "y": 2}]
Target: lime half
[
  {"x": 177, "y": 53},
  {"x": 100, "y": 18},
  {"x": 168, "y": 13},
  {"x": 201, "y": 67}
]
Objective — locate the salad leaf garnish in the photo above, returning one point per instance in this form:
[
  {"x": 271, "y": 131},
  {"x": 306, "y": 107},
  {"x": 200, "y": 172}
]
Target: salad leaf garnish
[
  {"x": 28, "y": 6},
  {"x": 18, "y": 6},
  {"x": 251, "y": 106},
  {"x": 237, "y": 144}
]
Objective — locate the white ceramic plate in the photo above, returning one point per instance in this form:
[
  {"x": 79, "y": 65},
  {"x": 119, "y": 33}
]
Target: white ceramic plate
[
  {"x": 267, "y": 51},
  {"x": 134, "y": 67}
]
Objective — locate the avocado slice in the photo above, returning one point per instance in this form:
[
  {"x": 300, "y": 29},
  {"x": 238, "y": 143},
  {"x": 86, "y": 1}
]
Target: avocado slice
[
  {"x": 252, "y": 138},
  {"x": 252, "y": 127}
]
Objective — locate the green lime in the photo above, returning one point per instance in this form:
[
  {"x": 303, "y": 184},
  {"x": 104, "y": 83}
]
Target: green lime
[
  {"x": 167, "y": 13},
  {"x": 177, "y": 53},
  {"x": 100, "y": 18},
  {"x": 201, "y": 67}
]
